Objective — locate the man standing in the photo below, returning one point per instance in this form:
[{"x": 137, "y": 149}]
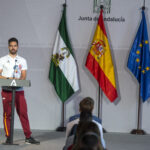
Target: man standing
[{"x": 13, "y": 66}]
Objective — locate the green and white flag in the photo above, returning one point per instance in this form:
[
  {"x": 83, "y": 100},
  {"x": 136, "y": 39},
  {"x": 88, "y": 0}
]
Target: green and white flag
[{"x": 63, "y": 69}]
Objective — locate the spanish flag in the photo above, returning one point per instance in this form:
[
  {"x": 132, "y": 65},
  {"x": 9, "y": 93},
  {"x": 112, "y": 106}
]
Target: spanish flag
[{"x": 99, "y": 61}]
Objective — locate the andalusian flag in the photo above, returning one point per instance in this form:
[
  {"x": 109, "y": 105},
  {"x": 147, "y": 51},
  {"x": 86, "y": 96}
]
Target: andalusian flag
[
  {"x": 63, "y": 70},
  {"x": 99, "y": 61}
]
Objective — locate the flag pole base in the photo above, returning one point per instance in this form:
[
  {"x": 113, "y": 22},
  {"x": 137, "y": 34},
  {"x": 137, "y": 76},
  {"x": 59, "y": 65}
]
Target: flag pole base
[
  {"x": 61, "y": 129},
  {"x": 138, "y": 132}
]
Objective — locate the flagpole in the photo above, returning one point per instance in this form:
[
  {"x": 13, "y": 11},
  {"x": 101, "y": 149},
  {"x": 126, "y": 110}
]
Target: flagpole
[
  {"x": 100, "y": 97},
  {"x": 139, "y": 111},
  {"x": 63, "y": 115},
  {"x": 143, "y": 5},
  {"x": 99, "y": 103},
  {"x": 62, "y": 127},
  {"x": 99, "y": 94},
  {"x": 139, "y": 130}
]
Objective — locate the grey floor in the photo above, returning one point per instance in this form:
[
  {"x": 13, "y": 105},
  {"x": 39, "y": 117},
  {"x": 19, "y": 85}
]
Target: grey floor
[{"x": 51, "y": 140}]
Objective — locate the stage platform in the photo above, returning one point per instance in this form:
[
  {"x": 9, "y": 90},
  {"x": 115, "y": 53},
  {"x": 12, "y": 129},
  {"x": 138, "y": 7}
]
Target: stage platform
[{"x": 51, "y": 140}]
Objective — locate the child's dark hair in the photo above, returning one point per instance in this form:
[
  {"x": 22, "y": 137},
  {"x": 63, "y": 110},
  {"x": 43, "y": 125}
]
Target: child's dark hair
[
  {"x": 87, "y": 104},
  {"x": 89, "y": 140}
]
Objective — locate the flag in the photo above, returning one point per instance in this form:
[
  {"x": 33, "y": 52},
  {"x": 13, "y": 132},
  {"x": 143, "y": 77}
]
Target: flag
[
  {"x": 99, "y": 61},
  {"x": 63, "y": 69},
  {"x": 139, "y": 59}
]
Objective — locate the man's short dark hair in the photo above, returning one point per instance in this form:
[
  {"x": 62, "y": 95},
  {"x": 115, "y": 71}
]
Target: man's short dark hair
[
  {"x": 87, "y": 104},
  {"x": 13, "y": 39}
]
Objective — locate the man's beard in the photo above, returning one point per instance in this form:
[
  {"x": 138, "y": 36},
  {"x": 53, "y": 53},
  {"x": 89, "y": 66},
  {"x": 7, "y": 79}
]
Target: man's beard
[{"x": 13, "y": 52}]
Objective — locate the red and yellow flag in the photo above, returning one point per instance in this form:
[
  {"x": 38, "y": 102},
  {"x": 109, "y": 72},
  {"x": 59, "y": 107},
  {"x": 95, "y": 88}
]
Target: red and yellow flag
[{"x": 99, "y": 61}]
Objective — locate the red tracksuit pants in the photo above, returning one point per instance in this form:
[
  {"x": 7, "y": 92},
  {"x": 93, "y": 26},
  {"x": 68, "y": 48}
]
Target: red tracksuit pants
[{"x": 21, "y": 108}]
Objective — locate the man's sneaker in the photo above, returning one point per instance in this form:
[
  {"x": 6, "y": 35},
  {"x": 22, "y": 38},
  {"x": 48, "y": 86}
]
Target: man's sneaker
[
  {"x": 31, "y": 140},
  {"x": 7, "y": 140}
]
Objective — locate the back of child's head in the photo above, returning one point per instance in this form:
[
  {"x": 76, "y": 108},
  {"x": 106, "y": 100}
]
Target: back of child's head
[{"x": 87, "y": 104}]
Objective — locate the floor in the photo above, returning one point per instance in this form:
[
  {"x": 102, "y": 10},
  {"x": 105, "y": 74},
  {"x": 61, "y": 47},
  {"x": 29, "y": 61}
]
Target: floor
[{"x": 52, "y": 140}]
